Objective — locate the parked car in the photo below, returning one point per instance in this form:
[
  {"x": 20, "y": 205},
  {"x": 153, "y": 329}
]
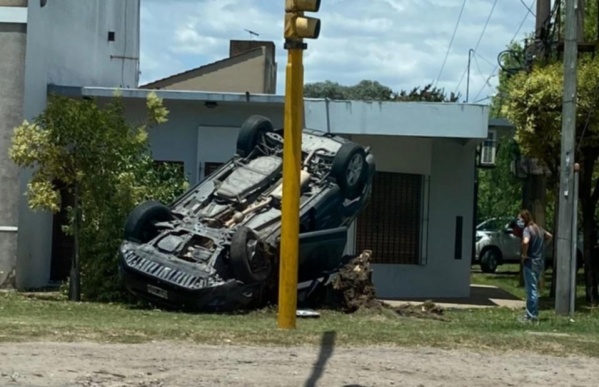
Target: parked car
[
  {"x": 496, "y": 244},
  {"x": 217, "y": 246}
]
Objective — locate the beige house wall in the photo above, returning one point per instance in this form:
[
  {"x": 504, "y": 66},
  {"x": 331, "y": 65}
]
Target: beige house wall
[{"x": 249, "y": 75}]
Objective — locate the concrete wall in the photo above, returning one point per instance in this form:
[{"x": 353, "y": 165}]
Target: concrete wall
[
  {"x": 413, "y": 119},
  {"x": 67, "y": 44},
  {"x": 12, "y": 80},
  {"x": 195, "y": 134},
  {"x": 451, "y": 195}
]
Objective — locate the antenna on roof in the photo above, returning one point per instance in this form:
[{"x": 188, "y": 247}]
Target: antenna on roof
[{"x": 252, "y": 33}]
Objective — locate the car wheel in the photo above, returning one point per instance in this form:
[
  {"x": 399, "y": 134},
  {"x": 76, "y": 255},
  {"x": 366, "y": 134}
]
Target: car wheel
[
  {"x": 140, "y": 225},
  {"x": 350, "y": 169},
  {"x": 251, "y": 131},
  {"x": 489, "y": 261},
  {"x": 249, "y": 265}
]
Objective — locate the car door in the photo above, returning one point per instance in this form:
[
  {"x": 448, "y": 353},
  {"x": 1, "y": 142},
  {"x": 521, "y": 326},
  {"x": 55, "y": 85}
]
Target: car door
[{"x": 509, "y": 243}]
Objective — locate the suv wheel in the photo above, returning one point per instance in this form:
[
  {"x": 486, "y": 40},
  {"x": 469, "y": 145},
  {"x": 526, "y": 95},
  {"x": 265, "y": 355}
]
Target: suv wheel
[
  {"x": 248, "y": 261},
  {"x": 140, "y": 225},
  {"x": 350, "y": 170},
  {"x": 250, "y": 133},
  {"x": 489, "y": 261}
]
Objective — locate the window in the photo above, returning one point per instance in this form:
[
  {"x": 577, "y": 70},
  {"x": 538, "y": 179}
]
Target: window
[{"x": 393, "y": 225}]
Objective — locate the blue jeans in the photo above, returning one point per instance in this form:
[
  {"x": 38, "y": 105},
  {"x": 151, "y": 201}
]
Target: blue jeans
[{"x": 532, "y": 273}]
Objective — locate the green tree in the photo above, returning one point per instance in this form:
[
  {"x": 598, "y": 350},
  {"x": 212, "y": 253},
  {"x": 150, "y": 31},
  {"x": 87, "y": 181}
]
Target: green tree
[
  {"x": 368, "y": 90},
  {"x": 428, "y": 93},
  {"x": 105, "y": 163},
  {"x": 535, "y": 107},
  {"x": 499, "y": 191},
  {"x": 365, "y": 90}
]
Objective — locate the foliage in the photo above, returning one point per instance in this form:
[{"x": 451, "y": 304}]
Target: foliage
[
  {"x": 95, "y": 152},
  {"x": 427, "y": 94},
  {"x": 365, "y": 90},
  {"x": 368, "y": 90},
  {"x": 535, "y": 107},
  {"x": 499, "y": 191}
]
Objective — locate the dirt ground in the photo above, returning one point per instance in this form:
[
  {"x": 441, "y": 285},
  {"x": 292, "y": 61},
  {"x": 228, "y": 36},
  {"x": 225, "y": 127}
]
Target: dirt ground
[{"x": 170, "y": 364}]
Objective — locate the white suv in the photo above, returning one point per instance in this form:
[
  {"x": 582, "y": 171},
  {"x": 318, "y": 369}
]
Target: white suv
[{"x": 496, "y": 244}]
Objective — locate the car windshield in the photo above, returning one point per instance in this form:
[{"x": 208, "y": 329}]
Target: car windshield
[{"x": 494, "y": 224}]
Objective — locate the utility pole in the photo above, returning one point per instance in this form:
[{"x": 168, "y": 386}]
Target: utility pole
[
  {"x": 297, "y": 27},
  {"x": 566, "y": 193},
  {"x": 543, "y": 14},
  {"x": 468, "y": 76}
]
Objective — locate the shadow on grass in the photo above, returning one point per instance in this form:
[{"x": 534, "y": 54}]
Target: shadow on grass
[{"x": 509, "y": 282}]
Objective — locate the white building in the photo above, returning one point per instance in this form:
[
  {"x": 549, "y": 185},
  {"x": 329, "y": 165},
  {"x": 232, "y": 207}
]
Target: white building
[
  {"x": 419, "y": 223},
  {"x": 64, "y": 42}
]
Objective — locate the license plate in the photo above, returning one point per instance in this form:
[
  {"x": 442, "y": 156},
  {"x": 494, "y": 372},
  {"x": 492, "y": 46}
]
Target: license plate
[{"x": 157, "y": 291}]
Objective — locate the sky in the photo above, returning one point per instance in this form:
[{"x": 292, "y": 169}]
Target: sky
[{"x": 399, "y": 43}]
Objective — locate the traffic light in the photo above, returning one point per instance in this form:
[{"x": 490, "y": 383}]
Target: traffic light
[{"x": 298, "y": 26}]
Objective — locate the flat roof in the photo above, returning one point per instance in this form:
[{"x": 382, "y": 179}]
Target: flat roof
[
  {"x": 414, "y": 119},
  {"x": 173, "y": 95}
]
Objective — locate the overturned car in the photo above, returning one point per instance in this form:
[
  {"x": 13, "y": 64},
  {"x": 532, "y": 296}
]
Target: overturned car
[{"x": 217, "y": 246}]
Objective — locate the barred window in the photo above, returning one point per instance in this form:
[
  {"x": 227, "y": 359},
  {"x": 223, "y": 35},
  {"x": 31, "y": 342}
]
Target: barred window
[{"x": 391, "y": 225}]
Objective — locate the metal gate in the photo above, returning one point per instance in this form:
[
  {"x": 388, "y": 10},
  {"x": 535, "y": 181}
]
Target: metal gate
[{"x": 391, "y": 224}]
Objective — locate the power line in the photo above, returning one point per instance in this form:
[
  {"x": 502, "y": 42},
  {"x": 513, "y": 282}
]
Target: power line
[
  {"x": 451, "y": 41},
  {"x": 480, "y": 37},
  {"x": 466, "y": 71},
  {"x": 485, "y": 59},
  {"x": 528, "y": 8},
  {"x": 497, "y": 66},
  {"x": 478, "y": 66},
  {"x": 485, "y": 26}
]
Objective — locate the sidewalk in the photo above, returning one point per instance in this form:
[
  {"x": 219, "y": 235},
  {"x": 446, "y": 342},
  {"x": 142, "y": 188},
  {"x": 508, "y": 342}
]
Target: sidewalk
[{"x": 481, "y": 296}]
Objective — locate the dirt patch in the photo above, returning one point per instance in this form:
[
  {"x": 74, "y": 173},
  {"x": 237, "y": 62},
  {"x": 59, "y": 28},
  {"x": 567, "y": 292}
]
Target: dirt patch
[
  {"x": 181, "y": 364},
  {"x": 352, "y": 290}
]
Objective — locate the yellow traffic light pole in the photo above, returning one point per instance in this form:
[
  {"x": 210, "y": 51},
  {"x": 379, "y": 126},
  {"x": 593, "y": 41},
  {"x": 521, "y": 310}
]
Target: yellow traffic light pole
[
  {"x": 292, "y": 157},
  {"x": 297, "y": 27}
]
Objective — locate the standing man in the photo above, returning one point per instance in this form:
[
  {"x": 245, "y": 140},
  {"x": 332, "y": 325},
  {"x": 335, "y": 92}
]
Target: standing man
[{"x": 533, "y": 247}]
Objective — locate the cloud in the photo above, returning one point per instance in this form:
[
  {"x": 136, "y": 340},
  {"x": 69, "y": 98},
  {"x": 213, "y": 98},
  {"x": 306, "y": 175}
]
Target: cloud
[{"x": 400, "y": 43}]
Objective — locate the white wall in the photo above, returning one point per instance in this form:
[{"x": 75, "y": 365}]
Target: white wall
[
  {"x": 414, "y": 119},
  {"x": 451, "y": 195},
  {"x": 195, "y": 134},
  {"x": 67, "y": 44},
  {"x": 399, "y": 154}
]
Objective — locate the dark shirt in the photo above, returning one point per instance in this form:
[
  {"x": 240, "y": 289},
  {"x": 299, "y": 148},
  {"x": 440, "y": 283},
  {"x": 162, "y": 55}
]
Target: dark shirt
[{"x": 536, "y": 245}]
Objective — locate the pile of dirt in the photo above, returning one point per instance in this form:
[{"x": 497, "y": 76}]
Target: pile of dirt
[
  {"x": 353, "y": 286},
  {"x": 352, "y": 290}
]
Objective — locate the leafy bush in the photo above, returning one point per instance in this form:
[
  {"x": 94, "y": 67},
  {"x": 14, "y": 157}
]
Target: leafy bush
[{"x": 105, "y": 163}]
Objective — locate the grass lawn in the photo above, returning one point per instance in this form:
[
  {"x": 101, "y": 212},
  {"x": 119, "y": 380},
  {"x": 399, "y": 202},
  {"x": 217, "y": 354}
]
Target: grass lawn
[
  {"x": 24, "y": 318},
  {"x": 506, "y": 278}
]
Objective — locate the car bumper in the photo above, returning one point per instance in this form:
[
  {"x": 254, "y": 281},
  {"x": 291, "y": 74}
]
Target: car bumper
[{"x": 229, "y": 295}]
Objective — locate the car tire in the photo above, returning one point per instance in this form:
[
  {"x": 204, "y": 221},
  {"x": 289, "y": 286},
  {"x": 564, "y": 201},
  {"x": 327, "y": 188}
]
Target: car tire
[
  {"x": 251, "y": 131},
  {"x": 350, "y": 169},
  {"x": 243, "y": 256},
  {"x": 489, "y": 260},
  {"x": 140, "y": 225}
]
